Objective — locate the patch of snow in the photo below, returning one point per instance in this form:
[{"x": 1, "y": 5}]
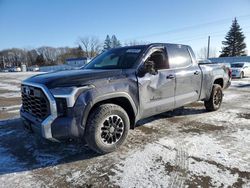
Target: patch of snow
[
  {"x": 73, "y": 176},
  {"x": 243, "y": 84},
  {"x": 9, "y": 87},
  {"x": 145, "y": 168},
  {"x": 11, "y": 95},
  {"x": 14, "y": 111},
  {"x": 20, "y": 179},
  {"x": 220, "y": 118},
  {"x": 218, "y": 176},
  {"x": 9, "y": 107}
]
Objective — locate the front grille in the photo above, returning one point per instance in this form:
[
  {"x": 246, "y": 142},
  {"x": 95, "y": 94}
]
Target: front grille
[{"x": 35, "y": 102}]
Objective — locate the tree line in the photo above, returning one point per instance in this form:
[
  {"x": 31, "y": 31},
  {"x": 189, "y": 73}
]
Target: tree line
[{"x": 90, "y": 46}]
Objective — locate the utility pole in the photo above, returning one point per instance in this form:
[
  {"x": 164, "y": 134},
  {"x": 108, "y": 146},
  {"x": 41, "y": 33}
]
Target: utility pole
[{"x": 208, "y": 46}]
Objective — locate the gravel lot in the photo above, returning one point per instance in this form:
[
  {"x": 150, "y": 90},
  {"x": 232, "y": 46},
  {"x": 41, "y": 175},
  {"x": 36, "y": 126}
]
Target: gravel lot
[{"x": 187, "y": 147}]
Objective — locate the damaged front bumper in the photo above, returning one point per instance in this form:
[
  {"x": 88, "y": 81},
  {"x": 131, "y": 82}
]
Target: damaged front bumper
[
  {"x": 59, "y": 128},
  {"x": 55, "y": 126}
]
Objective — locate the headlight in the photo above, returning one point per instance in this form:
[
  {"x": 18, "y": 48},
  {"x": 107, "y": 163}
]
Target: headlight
[
  {"x": 69, "y": 93},
  {"x": 62, "y": 90}
]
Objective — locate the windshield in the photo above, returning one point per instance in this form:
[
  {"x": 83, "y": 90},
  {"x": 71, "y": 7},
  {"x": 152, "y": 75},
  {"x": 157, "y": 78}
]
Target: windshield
[
  {"x": 119, "y": 58},
  {"x": 237, "y": 65}
]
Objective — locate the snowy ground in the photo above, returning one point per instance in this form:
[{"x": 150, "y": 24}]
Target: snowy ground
[{"x": 187, "y": 147}]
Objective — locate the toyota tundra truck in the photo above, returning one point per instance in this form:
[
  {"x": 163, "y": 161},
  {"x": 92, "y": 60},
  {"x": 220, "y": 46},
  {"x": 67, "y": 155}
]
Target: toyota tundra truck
[{"x": 102, "y": 101}]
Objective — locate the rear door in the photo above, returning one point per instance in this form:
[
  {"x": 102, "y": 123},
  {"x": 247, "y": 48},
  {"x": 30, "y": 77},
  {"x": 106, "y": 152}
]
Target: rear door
[
  {"x": 188, "y": 74},
  {"x": 156, "y": 92}
]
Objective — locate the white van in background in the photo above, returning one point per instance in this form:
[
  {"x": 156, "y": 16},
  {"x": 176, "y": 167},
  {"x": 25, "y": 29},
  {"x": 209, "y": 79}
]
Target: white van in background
[{"x": 240, "y": 69}]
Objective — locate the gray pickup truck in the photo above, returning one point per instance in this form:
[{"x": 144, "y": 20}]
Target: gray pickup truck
[{"x": 102, "y": 101}]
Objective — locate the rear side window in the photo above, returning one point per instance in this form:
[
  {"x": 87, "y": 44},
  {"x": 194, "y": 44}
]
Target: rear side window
[{"x": 178, "y": 56}]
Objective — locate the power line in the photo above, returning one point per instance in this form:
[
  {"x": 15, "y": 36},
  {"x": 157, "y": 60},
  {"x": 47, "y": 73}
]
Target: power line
[
  {"x": 189, "y": 27},
  {"x": 204, "y": 35}
]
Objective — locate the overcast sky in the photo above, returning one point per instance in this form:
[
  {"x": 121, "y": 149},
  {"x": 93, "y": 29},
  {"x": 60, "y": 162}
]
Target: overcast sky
[{"x": 31, "y": 23}]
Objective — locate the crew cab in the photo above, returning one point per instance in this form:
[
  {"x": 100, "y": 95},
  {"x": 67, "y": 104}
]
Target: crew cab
[{"x": 103, "y": 100}]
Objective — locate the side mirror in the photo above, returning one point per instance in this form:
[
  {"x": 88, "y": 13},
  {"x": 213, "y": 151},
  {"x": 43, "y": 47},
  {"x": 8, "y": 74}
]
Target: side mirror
[{"x": 245, "y": 67}]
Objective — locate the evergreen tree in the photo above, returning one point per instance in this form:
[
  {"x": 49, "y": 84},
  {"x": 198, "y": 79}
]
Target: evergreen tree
[
  {"x": 107, "y": 43},
  {"x": 234, "y": 44},
  {"x": 115, "y": 42}
]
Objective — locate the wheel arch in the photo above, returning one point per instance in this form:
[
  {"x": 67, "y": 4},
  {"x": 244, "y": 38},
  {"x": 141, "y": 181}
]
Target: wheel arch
[
  {"x": 219, "y": 81},
  {"x": 122, "y": 99}
]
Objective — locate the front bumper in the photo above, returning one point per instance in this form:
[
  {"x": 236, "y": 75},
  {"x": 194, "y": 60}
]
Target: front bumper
[
  {"x": 61, "y": 128},
  {"x": 55, "y": 127},
  {"x": 45, "y": 125}
]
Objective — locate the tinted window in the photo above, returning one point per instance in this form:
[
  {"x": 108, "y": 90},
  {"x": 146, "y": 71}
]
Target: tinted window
[
  {"x": 237, "y": 65},
  {"x": 119, "y": 58},
  {"x": 178, "y": 56}
]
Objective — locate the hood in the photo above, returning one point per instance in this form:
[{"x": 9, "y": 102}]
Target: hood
[{"x": 72, "y": 77}]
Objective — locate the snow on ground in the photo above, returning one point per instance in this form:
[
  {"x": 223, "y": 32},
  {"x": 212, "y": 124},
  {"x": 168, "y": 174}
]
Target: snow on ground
[
  {"x": 211, "y": 150},
  {"x": 189, "y": 159},
  {"x": 9, "y": 87},
  {"x": 18, "y": 76},
  {"x": 188, "y": 147},
  {"x": 10, "y": 95},
  {"x": 10, "y": 83},
  {"x": 241, "y": 84}
]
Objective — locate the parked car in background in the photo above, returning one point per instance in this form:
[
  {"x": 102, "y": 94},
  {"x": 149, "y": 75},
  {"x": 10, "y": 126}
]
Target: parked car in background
[
  {"x": 34, "y": 68},
  {"x": 5, "y": 70},
  {"x": 15, "y": 69},
  {"x": 240, "y": 69}
]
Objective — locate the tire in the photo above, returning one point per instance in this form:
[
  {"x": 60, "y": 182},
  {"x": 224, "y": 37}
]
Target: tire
[
  {"x": 215, "y": 99},
  {"x": 107, "y": 128},
  {"x": 241, "y": 75}
]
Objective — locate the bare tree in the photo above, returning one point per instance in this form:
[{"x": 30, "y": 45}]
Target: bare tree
[
  {"x": 91, "y": 45},
  {"x": 135, "y": 42},
  {"x": 202, "y": 53}
]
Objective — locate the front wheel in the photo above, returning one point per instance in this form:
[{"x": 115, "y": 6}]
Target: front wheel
[
  {"x": 215, "y": 99},
  {"x": 107, "y": 128}
]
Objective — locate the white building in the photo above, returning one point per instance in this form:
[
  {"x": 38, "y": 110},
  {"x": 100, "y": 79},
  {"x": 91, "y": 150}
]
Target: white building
[{"x": 76, "y": 62}]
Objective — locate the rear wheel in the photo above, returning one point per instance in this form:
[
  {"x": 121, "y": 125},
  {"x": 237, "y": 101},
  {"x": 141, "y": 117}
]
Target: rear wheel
[
  {"x": 107, "y": 128},
  {"x": 215, "y": 99}
]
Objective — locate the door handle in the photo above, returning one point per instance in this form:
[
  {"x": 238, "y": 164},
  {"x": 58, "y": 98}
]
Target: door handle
[
  {"x": 170, "y": 76},
  {"x": 196, "y": 73}
]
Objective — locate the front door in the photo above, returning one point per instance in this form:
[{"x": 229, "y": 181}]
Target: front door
[{"x": 156, "y": 92}]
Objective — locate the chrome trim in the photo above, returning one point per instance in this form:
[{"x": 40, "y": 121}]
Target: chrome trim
[
  {"x": 71, "y": 98},
  {"x": 46, "y": 124}
]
